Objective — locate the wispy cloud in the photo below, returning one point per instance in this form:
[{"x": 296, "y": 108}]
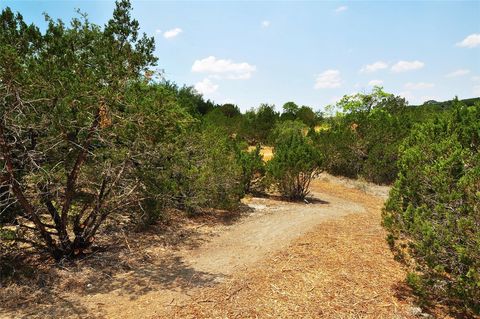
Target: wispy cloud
[
  {"x": 341, "y": 9},
  {"x": 224, "y": 68},
  {"x": 470, "y": 41},
  {"x": 370, "y": 68},
  {"x": 404, "y": 66},
  {"x": 170, "y": 34},
  {"x": 457, "y": 73},
  {"x": 265, "y": 23},
  {"x": 328, "y": 79}
]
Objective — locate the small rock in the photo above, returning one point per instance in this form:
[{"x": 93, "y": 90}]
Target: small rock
[{"x": 416, "y": 311}]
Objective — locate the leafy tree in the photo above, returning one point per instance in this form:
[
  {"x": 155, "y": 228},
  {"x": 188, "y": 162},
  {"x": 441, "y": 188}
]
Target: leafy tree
[
  {"x": 290, "y": 110},
  {"x": 295, "y": 161},
  {"x": 65, "y": 125},
  {"x": 432, "y": 214},
  {"x": 307, "y": 116},
  {"x": 230, "y": 110},
  {"x": 158, "y": 125},
  {"x": 264, "y": 122},
  {"x": 363, "y": 139}
]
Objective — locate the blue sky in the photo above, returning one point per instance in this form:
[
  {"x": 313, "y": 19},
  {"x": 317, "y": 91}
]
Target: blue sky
[{"x": 308, "y": 52}]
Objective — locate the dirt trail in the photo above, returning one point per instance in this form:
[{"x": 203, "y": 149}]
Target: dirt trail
[
  {"x": 341, "y": 269},
  {"x": 280, "y": 260},
  {"x": 272, "y": 227}
]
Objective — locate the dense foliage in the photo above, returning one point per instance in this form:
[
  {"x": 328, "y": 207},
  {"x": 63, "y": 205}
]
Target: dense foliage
[
  {"x": 362, "y": 140},
  {"x": 65, "y": 127},
  {"x": 433, "y": 213},
  {"x": 253, "y": 168},
  {"x": 295, "y": 161}
]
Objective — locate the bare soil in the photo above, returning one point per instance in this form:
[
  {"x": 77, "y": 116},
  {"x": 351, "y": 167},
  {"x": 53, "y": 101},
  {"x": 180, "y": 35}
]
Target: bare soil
[{"x": 273, "y": 259}]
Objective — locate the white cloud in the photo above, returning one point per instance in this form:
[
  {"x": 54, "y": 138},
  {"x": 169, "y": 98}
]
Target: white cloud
[
  {"x": 206, "y": 86},
  {"x": 403, "y": 66},
  {"x": 456, "y": 73},
  {"x": 328, "y": 79},
  {"x": 170, "y": 34},
  {"x": 224, "y": 68},
  {"x": 341, "y": 9},
  {"x": 369, "y": 68},
  {"x": 476, "y": 90},
  {"x": 470, "y": 41},
  {"x": 375, "y": 83},
  {"x": 158, "y": 31},
  {"x": 419, "y": 85},
  {"x": 476, "y": 78},
  {"x": 265, "y": 23}
]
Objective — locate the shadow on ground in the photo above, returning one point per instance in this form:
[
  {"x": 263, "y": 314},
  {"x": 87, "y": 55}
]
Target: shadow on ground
[
  {"x": 307, "y": 200},
  {"x": 128, "y": 263},
  {"x": 430, "y": 306}
]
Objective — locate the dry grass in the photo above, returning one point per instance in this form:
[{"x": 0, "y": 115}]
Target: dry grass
[
  {"x": 135, "y": 263},
  {"x": 265, "y": 151},
  {"x": 343, "y": 269}
]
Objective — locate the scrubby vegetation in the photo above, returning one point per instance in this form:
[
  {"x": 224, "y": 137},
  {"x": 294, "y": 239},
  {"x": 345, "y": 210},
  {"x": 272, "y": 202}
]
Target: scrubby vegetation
[
  {"x": 90, "y": 131},
  {"x": 431, "y": 154},
  {"x": 295, "y": 162},
  {"x": 433, "y": 213}
]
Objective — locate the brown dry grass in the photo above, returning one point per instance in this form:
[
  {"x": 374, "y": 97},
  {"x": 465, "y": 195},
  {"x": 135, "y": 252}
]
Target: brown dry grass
[
  {"x": 265, "y": 151},
  {"x": 135, "y": 263},
  {"x": 343, "y": 269}
]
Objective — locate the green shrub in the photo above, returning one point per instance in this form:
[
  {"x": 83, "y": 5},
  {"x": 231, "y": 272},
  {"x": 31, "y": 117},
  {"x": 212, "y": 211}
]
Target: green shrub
[
  {"x": 363, "y": 139},
  {"x": 66, "y": 150},
  {"x": 198, "y": 171},
  {"x": 207, "y": 174},
  {"x": 337, "y": 145},
  {"x": 433, "y": 212},
  {"x": 253, "y": 168},
  {"x": 295, "y": 161}
]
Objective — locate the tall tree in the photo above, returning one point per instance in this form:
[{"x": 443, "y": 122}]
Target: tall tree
[{"x": 65, "y": 125}]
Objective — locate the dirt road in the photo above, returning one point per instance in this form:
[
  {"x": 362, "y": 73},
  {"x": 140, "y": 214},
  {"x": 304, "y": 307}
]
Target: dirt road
[{"x": 322, "y": 259}]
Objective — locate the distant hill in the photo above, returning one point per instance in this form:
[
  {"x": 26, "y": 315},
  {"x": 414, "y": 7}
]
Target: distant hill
[{"x": 446, "y": 104}]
